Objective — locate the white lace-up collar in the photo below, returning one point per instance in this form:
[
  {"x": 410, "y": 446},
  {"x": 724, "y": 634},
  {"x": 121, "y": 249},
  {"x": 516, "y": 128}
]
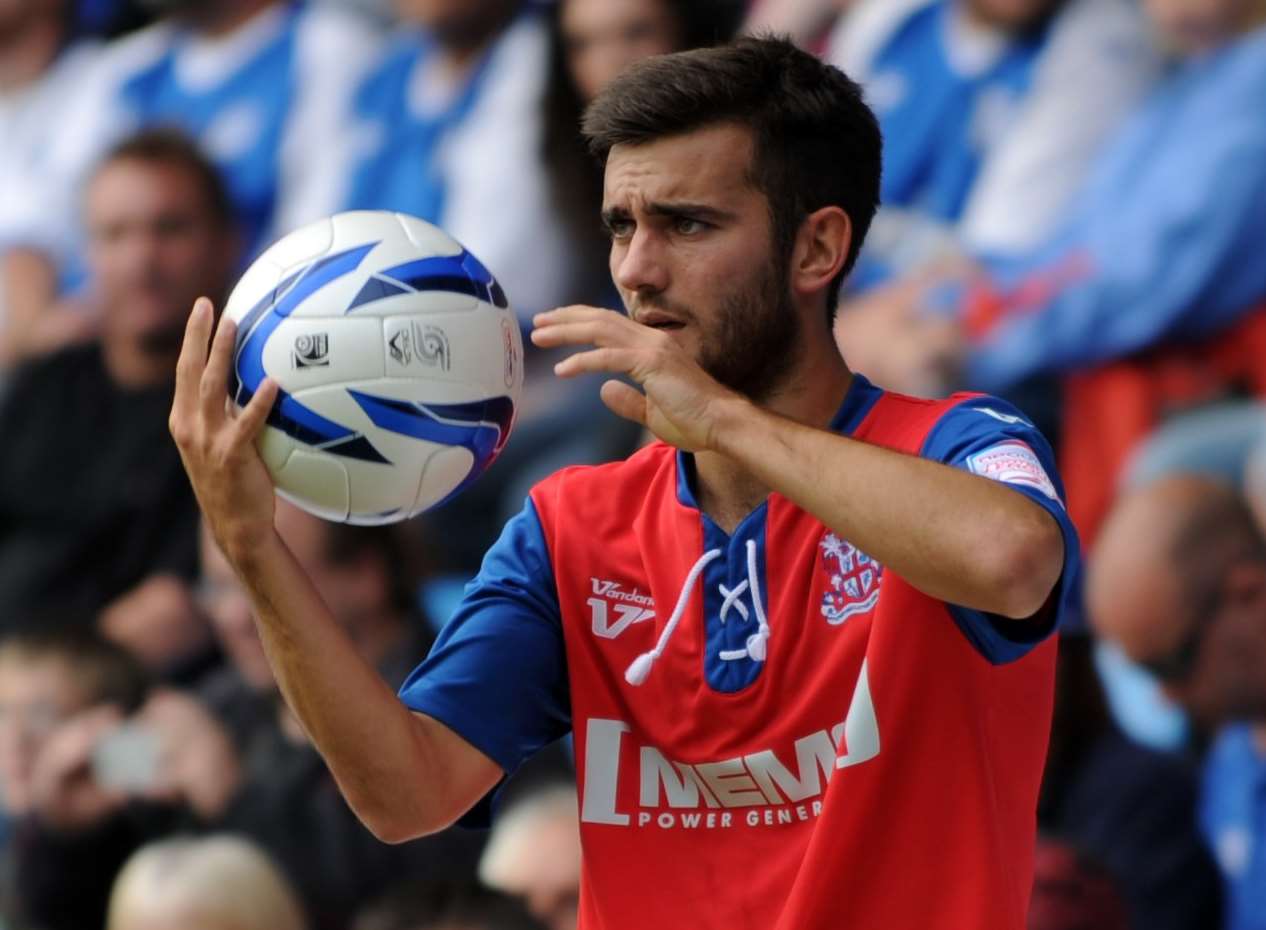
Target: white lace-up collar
[{"x": 757, "y": 644}]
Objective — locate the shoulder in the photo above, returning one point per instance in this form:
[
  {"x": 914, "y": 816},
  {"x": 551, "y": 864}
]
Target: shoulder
[
  {"x": 1108, "y": 35},
  {"x": 526, "y": 43},
  {"x": 59, "y": 368},
  {"x": 1245, "y": 68},
  {"x": 584, "y": 491},
  {"x": 50, "y": 385},
  {"x": 76, "y": 62},
  {"x": 517, "y": 68},
  {"x": 329, "y": 38},
  {"x": 861, "y": 34},
  {"x": 135, "y": 52},
  {"x": 903, "y": 422},
  {"x": 398, "y": 54}
]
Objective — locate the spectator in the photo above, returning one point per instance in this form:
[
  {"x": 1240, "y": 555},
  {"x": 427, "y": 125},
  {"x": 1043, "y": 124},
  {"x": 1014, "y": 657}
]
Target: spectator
[
  {"x": 1134, "y": 269},
  {"x": 1179, "y": 582},
  {"x": 435, "y": 906},
  {"x": 991, "y": 111},
  {"x": 534, "y": 854},
  {"x": 449, "y": 128},
  {"x": 94, "y": 504},
  {"x": 39, "y": 70},
  {"x": 46, "y": 677},
  {"x": 214, "y": 883},
  {"x": 56, "y": 688},
  {"x": 262, "y": 84},
  {"x": 593, "y": 41},
  {"x": 1130, "y": 809},
  {"x": 238, "y": 761}
]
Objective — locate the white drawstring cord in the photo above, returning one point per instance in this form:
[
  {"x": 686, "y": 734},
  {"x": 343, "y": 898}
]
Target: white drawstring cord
[
  {"x": 757, "y": 643},
  {"x": 638, "y": 671}
]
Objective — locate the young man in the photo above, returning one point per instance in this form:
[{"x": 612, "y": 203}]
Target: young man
[{"x": 767, "y": 733}]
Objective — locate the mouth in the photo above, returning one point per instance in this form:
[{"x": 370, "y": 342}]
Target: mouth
[{"x": 656, "y": 320}]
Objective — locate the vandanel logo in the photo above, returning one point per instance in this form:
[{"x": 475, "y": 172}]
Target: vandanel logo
[{"x": 628, "y": 608}]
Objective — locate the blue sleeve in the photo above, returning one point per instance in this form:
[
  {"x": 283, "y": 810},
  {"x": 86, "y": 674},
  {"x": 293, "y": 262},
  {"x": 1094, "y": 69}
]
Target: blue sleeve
[
  {"x": 991, "y": 438},
  {"x": 497, "y": 674},
  {"x": 1178, "y": 262}
]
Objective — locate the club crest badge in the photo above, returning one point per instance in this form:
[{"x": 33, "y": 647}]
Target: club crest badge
[{"x": 852, "y": 580}]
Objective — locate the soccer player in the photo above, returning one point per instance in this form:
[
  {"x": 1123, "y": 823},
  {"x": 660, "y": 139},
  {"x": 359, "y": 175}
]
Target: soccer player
[{"x": 803, "y": 641}]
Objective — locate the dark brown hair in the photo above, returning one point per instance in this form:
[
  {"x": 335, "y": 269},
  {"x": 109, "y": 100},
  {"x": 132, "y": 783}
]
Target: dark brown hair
[
  {"x": 816, "y": 142},
  {"x": 107, "y": 673},
  {"x": 165, "y": 145}
]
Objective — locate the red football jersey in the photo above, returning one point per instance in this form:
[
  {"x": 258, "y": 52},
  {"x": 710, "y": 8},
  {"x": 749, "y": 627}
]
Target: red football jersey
[
  {"x": 879, "y": 772},
  {"x": 771, "y": 730}
]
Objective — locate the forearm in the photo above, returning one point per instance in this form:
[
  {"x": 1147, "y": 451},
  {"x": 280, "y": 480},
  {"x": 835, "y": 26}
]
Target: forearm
[
  {"x": 955, "y": 536},
  {"x": 379, "y": 752}
]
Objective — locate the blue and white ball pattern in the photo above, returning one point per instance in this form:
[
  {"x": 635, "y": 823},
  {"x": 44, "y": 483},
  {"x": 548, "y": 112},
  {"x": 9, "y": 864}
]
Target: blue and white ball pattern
[{"x": 399, "y": 360}]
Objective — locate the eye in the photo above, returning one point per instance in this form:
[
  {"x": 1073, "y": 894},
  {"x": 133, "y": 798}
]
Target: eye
[
  {"x": 619, "y": 228},
  {"x": 688, "y": 226}
]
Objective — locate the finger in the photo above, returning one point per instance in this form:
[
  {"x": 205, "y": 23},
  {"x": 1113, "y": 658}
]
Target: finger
[
  {"x": 572, "y": 313},
  {"x": 603, "y": 331},
  {"x": 624, "y": 400},
  {"x": 213, "y": 386},
  {"x": 613, "y": 360},
  {"x": 193, "y": 356},
  {"x": 253, "y": 417}
]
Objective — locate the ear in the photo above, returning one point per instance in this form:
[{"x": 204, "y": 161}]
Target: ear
[
  {"x": 1244, "y": 584},
  {"x": 821, "y": 250}
]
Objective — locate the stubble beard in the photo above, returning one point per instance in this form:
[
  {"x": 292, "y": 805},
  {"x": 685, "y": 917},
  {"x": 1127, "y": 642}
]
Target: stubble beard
[{"x": 751, "y": 349}]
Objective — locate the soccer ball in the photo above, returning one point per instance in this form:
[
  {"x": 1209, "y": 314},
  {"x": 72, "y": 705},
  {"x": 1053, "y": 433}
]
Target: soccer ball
[{"x": 398, "y": 358}]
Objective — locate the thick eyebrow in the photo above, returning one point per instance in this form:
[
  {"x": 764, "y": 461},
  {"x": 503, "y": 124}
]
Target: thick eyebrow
[{"x": 674, "y": 210}]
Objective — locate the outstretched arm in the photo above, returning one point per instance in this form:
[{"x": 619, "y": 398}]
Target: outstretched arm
[
  {"x": 403, "y": 773},
  {"x": 955, "y": 536}
]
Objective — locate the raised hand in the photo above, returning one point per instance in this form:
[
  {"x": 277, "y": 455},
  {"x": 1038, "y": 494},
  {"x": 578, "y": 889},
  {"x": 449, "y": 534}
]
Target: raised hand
[
  {"x": 65, "y": 793},
  {"x": 681, "y": 401},
  {"x": 198, "y": 763},
  {"x": 217, "y": 447}
]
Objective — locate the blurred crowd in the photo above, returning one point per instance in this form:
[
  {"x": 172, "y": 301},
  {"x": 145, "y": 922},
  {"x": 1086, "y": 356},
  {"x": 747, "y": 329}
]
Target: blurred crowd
[{"x": 1074, "y": 210}]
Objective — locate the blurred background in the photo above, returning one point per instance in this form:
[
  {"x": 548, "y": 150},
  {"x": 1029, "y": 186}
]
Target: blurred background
[{"x": 1074, "y": 218}]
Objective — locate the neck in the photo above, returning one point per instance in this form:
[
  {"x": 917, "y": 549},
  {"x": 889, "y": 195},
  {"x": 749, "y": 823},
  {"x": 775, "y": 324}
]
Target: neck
[
  {"x": 812, "y": 395},
  {"x": 215, "y": 20},
  {"x": 26, "y": 52},
  {"x": 458, "y": 61},
  {"x": 131, "y": 366},
  {"x": 971, "y": 16},
  {"x": 461, "y": 49}
]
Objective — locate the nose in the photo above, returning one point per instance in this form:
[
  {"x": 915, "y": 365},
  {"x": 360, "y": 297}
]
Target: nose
[{"x": 640, "y": 265}]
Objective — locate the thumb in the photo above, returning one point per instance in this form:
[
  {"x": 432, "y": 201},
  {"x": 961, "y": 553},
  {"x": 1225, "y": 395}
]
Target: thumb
[{"x": 624, "y": 400}]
